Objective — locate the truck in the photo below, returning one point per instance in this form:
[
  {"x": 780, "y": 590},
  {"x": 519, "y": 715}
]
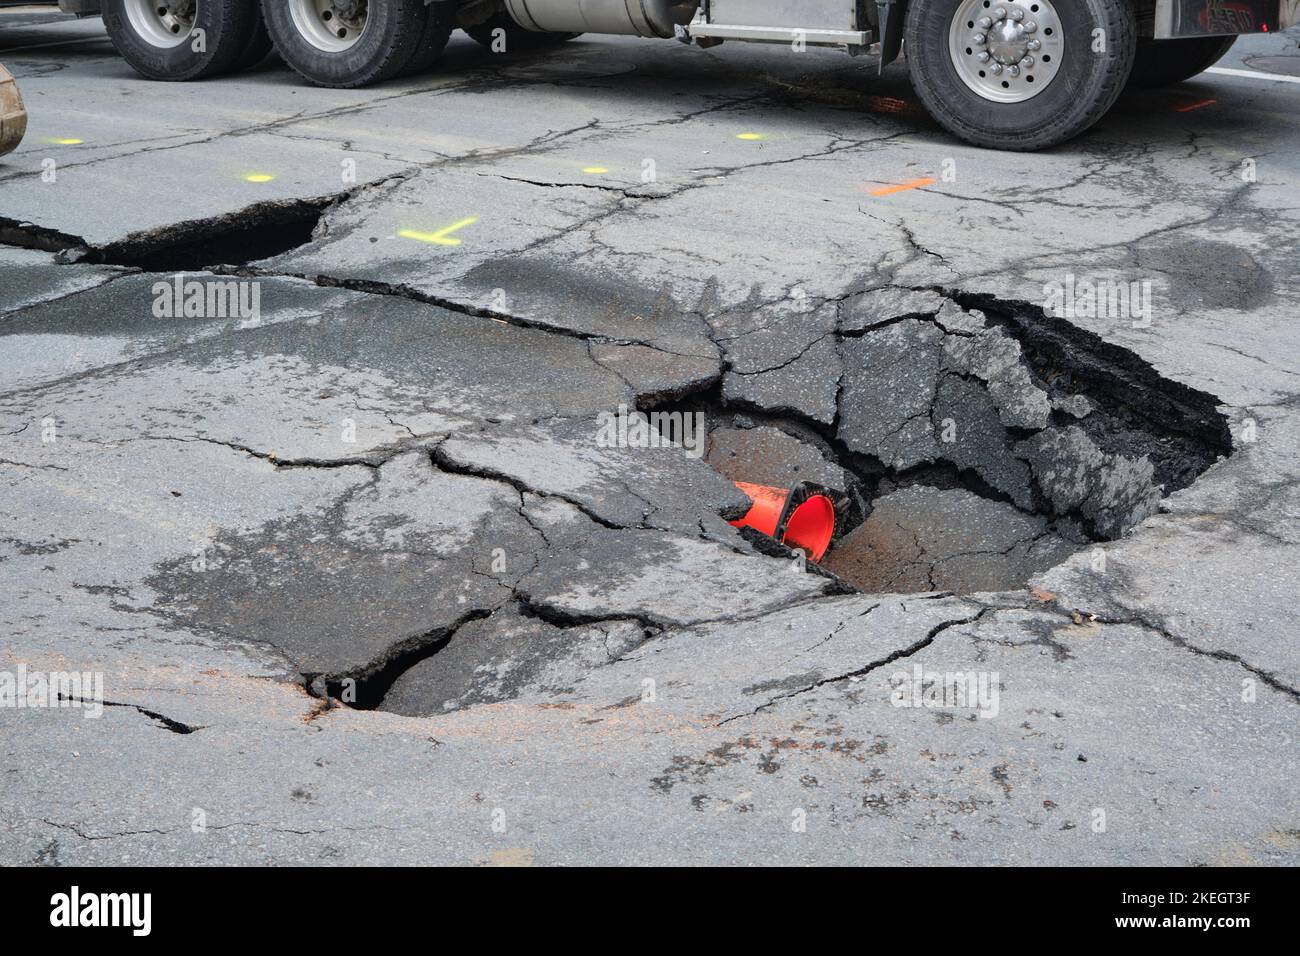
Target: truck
[{"x": 1018, "y": 75}]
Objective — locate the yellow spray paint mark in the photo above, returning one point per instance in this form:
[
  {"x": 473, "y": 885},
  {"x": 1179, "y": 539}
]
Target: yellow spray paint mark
[
  {"x": 258, "y": 178},
  {"x": 595, "y": 170},
  {"x": 65, "y": 141},
  {"x": 442, "y": 237},
  {"x": 749, "y": 136}
]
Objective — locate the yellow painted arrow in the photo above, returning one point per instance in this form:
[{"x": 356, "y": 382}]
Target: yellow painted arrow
[{"x": 443, "y": 237}]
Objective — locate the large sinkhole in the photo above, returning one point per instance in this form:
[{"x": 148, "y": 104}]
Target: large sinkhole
[{"x": 979, "y": 441}]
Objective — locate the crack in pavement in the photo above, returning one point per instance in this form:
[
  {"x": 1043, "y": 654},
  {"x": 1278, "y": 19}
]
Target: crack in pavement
[
  {"x": 899, "y": 654},
  {"x": 271, "y": 827},
  {"x": 168, "y": 723}
]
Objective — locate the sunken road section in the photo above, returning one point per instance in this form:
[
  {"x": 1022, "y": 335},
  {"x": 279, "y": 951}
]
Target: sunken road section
[{"x": 483, "y": 553}]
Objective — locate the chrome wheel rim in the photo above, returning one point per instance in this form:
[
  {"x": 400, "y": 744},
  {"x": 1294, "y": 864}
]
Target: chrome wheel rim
[
  {"x": 334, "y": 26},
  {"x": 162, "y": 23},
  {"x": 1007, "y": 51}
]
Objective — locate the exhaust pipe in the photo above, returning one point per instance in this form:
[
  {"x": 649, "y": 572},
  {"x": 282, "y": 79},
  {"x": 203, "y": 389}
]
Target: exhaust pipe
[{"x": 13, "y": 117}]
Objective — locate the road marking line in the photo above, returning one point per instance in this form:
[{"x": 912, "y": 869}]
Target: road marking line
[
  {"x": 914, "y": 184},
  {"x": 1253, "y": 75},
  {"x": 750, "y": 137},
  {"x": 1195, "y": 106},
  {"x": 442, "y": 237}
]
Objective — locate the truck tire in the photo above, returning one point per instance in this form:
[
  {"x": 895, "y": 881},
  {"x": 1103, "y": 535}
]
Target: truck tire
[
  {"x": 1166, "y": 62},
  {"x": 346, "y": 43},
  {"x": 1019, "y": 74},
  {"x": 517, "y": 39},
  {"x": 437, "y": 31},
  {"x": 259, "y": 45},
  {"x": 158, "y": 37}
]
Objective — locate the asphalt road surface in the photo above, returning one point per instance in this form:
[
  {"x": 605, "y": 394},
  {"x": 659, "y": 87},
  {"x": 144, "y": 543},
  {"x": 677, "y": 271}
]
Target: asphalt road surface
[{"x": 369, "y": 577}]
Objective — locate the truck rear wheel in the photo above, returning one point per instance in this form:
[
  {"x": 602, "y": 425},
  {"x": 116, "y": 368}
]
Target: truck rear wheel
[
  {"x": 259, "y": 45},
  {"x": 1166, "y": 62},
  {"x": 437, "y": 31},
  {"x": 1019, "y": 74},
  {"x": 346, "y": 43},
  {"x": 182, "y": 39},
  {"x": 515, "y": 38}
]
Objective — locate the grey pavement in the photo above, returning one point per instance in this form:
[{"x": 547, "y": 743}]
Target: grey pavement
[{"x": 365, "y": 582}]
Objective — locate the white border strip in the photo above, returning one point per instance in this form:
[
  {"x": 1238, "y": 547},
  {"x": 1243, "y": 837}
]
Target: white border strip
[{"x": 1253, "y": 75}]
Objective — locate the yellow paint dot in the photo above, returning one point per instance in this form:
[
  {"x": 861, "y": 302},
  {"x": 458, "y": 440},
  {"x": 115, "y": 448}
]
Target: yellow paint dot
[
  {"x": 595, "y": 170},
  {"x": 749, "y": 136},
  {"x": 258, "y": 178},
  {"x": 66, "y": 141}
]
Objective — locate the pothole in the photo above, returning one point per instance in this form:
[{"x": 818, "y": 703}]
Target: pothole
[
  {"x": 980, "y": 441},
  {"x": 256, "y": 232}
]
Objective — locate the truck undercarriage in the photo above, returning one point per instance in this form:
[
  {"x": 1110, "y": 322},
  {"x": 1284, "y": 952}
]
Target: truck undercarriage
[{"x": 1006, "y": 74}]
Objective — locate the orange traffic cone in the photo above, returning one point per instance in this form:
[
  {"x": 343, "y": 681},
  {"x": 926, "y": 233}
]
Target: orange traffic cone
[{"x": 802, "y": 517}]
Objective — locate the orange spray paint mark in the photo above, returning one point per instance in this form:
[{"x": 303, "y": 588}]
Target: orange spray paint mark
[{"x": 914, "y": 184}]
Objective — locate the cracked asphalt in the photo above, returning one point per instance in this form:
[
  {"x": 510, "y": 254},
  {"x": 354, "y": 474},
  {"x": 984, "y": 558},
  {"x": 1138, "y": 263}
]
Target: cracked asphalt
[{"x": 364, "y": 585}]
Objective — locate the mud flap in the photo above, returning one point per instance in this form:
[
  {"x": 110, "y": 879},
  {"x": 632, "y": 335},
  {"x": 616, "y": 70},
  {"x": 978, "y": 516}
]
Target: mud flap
[
  {"x": 891, "y": 30},
  {"x": 13, "y": 117}
]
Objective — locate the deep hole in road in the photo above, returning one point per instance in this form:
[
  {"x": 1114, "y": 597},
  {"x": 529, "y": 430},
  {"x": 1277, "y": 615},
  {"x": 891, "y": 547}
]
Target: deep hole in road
[
  {"x": 1018, "y": 440},
  {"x": 1029, "y": 439},
  {"x": 256, "y": 232}
]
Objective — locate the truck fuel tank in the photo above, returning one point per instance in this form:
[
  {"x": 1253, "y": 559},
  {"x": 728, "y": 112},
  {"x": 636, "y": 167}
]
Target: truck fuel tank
[{"x": 644, "y": 18}]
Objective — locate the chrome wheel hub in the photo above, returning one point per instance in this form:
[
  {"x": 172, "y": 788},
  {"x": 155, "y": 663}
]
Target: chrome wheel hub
[
  {"x": 1007, "y": 51},
  {"x": 334, "y": 26},
  {"x": 161, "y": 23}
]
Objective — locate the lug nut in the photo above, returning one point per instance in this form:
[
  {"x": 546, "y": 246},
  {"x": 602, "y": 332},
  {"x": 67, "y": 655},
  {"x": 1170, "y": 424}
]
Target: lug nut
[
  {"x": 983, "y": 56},
  {"x": 1029, "y": 26},
  {"x": 1027, "y": 62},
  {"x": 1017, "y": 15},
  {"x": 1000, "y": 13},
  {"x": 996, "y": 69},
  {"x": 984, "y": 22},
  {"x": 1013, "y": 70},
  {"x": 1035, "y": 44},
  {"x": 979, "y": 39}
]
